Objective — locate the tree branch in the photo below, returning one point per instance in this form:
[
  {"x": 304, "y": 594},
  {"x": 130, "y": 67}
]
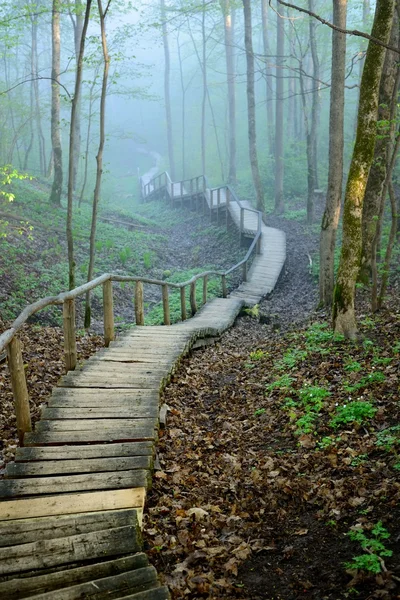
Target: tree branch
[{"x": 355, "y": 32}]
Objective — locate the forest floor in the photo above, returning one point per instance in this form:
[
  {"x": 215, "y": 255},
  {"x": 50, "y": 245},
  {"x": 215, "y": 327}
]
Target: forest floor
[{"x": 280, "y": 463}]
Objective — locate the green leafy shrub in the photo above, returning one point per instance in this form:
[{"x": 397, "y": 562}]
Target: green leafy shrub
[
  {"x": 353, "y": 412},
  {"x": 376, "y": 550}
]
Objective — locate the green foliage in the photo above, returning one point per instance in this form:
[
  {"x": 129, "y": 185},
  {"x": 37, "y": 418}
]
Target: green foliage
[
  {"x": 290, "y": 359},
  {"x": 318, "y": 336},
  {"x": 371, "y": 378},
  {"x": 147, "y": 260},
  {"x": 259, "y": 412},
  {"x": 388, "y": 438},
  {"x": 282, "y": 383},
  {"x": 258, "y": 355},
  {"x": 312, "y": 400},
  {"x": 353, "y": 366},
  {"x": 353, "y": 412},
  {"x": 125, "y": 254},
  {"x": 371, "y": 561},
  {"x": 7, "y": 175}
]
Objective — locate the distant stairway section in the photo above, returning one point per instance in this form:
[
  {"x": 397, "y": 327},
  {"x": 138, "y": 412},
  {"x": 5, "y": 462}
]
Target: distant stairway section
[{"x": 223, "y": 203}]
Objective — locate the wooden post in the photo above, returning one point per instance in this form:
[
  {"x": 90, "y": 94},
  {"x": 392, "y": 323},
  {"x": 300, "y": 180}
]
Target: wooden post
[
  {"x": 205, "y": 282},
  {"x": 193, "y": 304},
  {"x": 165, "y": 302},
  {"x": 224, "y": 288},
  {"x": 69, "y": 335},
  {"x": 244, "y": 267},
  {"x": 172, "y": 193},
  {"x": 227, "y": 204},
  {"x": 191, "y": 194},
  {"x": 211, "y": 203},
  {"x": 182, "y": 191},
  {"x": 183, "y": 303},
  {"x": 241, "y": 228},
  {"x": 108, "y": 311},
  {"x": 20, "y": 391},
  {"x": 218, "y": 203},
  {"x": 139, "y": 308},
  {"x": 258, "y": 245}
]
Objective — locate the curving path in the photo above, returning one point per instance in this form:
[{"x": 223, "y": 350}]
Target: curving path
[{"x": 72, "y": 503}]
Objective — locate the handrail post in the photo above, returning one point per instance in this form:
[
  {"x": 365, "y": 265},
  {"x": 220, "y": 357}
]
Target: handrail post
[
  {"x": 241, "y": 228},
  {"x": 244, "y": 267},
  {"x": 205, "y": 283},
  {"x": 211, "y": 203},
  {"x": 172, "y": 193},
  {"x": 191, "y": 194},
  {"x": 193, "y": 304},
  {"x": 19, "y": 388},
  {"x": 258, "y": 247},
  {"x": 182, "y": 191},
  {"x": 218, "y": 203},
  {"x": 183, "y": 303},
  {"x": 108, "y": 310},
  {"x": 165, "y": 301},
  {"x": 69, "y": 335},
  {"x": 227, "y": 205},
  {"x": 139, "y": 308},
  {"x": 224, "y": 288}
]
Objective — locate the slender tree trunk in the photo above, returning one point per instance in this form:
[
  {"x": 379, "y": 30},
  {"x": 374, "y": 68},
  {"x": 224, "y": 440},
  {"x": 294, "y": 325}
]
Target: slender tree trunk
[
  {"x": 204, "y": 99},
  {"x": 75, "y": 104},
  {"x": 268, "y": 77},
  {"x": 89, "y": 127},
  {"x": 251, "y": 106},
  {"x": 366, "y": 11},
  {"x": 55, "y": 196},
  {"x": 330, "y": 220},
  {"x": 78, "y": 27},
  {"x": 279, "y": 158},
  {"x": 312, "y": 135},
  {"x": 377, "y": 176},
  {"x": 344, "y": 318},
  {"x": 230, "y": 78},
  {"x": 167, "y": 97},
  {"x": 35, "y": 75},
  {"x": 183, "y": 109},
  {"x": 99, "y": 157}
]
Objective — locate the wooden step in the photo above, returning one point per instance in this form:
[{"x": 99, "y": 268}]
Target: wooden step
[
  {"x": 68, "y": 467},
  {"x": 25, "y": 587},
  {"x": 51, "y": 438},
  {"x": 34, "y": 486},
  {"x": 44, "y": 554},
  {"x": 56, "y": 453},
  {"x": 103, "y": 412},
  {"x": 67, "y": 504},
  {"x": 144, "y": 428}
]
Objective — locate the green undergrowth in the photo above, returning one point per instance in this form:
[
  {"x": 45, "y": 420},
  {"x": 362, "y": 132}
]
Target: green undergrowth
[{"x": 34, "y": 263}]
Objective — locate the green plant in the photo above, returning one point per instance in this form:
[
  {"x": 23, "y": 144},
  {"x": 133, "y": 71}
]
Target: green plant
[
  {"x": 388, "y": 438},
  {"x": 147, "y": 260},
  {"x": 353, "y": 366},
  {"x": 125, "y": 254},
  {"x": 259, "y": 412},
  {"x": 374, "y": 377},
  {"x": 359, "y": 460},
  {"x": 284, "y": 383},
  {"x": 353, "y": 412},
  {"x": 258, "y": 355},
  {"x": 374, "y": 546},
  {"x": 290, "y": 359}
]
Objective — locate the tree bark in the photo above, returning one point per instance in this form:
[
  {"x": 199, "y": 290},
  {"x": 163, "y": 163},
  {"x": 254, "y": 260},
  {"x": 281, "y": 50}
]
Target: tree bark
[
  {"x": 55, "y": 196},
  {"x": 330, "y": 220},
  {"x": 384, "y": 142},
  {"x": 99, "y": 157},
  {"x": 204, "y": 99},
  {"x": 268, "y": 77},
  {"x": 75, "y": 104},
  {"x": 230, "y": 79},
  {"x": 167, "y": 97},
  {"x": 312, "y": 136},
  {"x": 279, "y": 158},
  {"x": 78, "y": 28},
  {"x": 344, "y": 318},
  {"x": 251, "y": 106}
]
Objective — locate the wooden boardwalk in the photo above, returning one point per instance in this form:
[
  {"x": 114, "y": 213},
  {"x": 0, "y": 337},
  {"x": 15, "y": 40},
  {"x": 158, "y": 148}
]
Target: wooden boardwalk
[{"x": 72, "y": 502}]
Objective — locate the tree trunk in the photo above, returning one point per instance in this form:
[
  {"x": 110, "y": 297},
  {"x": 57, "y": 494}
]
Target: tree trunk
[
  {"x": 183, "y": 110},
  {"x": 268, "y": 77},
  {"x": 35, "y": 76},
  {"x": 89, "y": 127},
  {"x": 279, "y": 158},
  {"x": 384, "y": 142},
  {"x": 167, "y": 98},
  {"x": 230, "y": 78},
  {"x": 251, "y": 106},
  {"x": 312, "y": 142},
  {"x": 204, "y": 99},
  {"x": 75, "y": 104},
  {"x": 344, "y": 319},
  {"x": 78, "y": 28},
  {"x": 330, "y": 219},
  {"x": 55, "y": 196},
  {"x": 99, "y": 157}
]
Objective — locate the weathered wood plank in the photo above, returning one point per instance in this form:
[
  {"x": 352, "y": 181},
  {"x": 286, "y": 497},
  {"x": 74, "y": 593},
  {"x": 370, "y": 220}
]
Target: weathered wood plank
[
  {"x": 56, "y": 453},
  {"x": 115, "y": 586},
  {"x": 144, "y": 427},
  {"x": 25, "y": 531},
  {"x": 67, "y": 504},
  {"x": 61, "y": 551},
  {"x": 17, "y": 589},
  {"x": 33, "y": 486},
  {"x": 128, "y": 412},
  {"x": 88, "y": 437},
  {"x": 91, "y": 465}
]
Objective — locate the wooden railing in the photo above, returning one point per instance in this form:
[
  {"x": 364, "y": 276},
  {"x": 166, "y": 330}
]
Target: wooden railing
[{"x": 9, "y": 340}]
